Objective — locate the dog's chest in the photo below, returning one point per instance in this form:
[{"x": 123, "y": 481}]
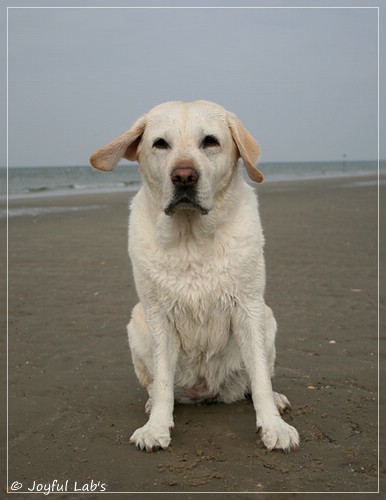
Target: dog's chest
[
  {"x": 197, "y": 292},
  {"x": 193, "y": 282}
]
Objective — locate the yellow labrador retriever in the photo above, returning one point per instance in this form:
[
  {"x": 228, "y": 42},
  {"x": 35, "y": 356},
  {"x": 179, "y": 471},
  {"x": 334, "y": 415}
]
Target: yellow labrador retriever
[{"x": 201, "y": 330}]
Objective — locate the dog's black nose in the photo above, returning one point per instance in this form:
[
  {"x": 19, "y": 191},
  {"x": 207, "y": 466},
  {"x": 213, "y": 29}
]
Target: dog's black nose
[{"x": 184, "y": 176}]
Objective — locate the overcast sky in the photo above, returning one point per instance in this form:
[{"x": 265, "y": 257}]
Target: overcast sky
[{"x": 303, "y": 81}]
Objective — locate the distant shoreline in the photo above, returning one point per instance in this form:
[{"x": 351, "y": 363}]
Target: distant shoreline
[{"x": 43, "y": 182}]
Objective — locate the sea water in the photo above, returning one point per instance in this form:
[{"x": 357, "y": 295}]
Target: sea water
[
  {"x": 50, "y": 181},
  {"x": 25, "y": 182}
]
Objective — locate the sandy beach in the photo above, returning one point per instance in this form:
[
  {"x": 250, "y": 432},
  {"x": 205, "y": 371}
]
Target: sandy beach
[{"x": 74, "y": 400}]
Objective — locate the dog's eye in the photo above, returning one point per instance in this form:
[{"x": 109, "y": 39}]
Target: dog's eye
[
  {"x": 161, "y": 144},
  {"x": 210, "y": 141}
]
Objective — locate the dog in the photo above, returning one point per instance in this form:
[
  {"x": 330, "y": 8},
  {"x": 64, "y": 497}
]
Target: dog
[{"x": 201, "y": 330}]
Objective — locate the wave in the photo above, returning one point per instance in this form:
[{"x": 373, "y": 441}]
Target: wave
[
  {"x": 37, "y": 211},
  {"x": 82, "y": 187}
]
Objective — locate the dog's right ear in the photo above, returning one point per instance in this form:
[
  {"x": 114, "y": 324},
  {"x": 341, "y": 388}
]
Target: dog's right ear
[{"x": 124, "y": 146}]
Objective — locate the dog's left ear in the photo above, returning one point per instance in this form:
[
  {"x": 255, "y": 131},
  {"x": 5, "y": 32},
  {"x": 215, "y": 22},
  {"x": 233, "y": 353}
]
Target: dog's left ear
[
  {"x": 124, "y": 146},
  {"x": 248, "y": 148}
]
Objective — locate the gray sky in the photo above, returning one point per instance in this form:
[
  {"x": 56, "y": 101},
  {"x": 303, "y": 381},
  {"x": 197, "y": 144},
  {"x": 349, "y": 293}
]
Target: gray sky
[{"x": 303, "y": 81}]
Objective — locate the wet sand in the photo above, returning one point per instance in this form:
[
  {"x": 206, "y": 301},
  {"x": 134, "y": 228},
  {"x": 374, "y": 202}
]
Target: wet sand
[{"x": 74, "y": 400}]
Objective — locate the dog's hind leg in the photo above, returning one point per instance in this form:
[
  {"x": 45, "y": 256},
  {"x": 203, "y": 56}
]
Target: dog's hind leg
[{"x": 139, "y": 342}]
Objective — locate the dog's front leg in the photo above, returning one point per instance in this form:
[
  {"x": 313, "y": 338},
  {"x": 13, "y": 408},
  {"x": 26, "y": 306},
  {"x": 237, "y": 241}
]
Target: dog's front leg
[
  {"x": 156, "y": 432},
  {"x": 249, "y": 328}
]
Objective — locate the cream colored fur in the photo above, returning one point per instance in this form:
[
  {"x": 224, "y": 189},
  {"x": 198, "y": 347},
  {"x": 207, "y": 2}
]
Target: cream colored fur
[{"x": 201, "y": 330}]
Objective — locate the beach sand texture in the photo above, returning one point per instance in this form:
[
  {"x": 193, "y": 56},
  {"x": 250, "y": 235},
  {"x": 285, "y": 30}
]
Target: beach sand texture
[{"x": 74, "y": 400}]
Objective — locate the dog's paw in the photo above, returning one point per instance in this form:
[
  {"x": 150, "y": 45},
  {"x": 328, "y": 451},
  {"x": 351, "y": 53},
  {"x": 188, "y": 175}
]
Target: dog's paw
[
  {"x": 152, "y": 437},
  {"x": 278, "y": 434},
  {"x": 281, "y": 402}
]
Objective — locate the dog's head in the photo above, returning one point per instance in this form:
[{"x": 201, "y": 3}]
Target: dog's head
[{"x": 187, "y": 153}]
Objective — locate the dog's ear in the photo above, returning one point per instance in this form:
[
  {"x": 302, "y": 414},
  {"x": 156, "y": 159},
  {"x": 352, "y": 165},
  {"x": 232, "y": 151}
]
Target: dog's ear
[
  {"x": 124, "y": 146},
  {"x": 248, "y": 148}
]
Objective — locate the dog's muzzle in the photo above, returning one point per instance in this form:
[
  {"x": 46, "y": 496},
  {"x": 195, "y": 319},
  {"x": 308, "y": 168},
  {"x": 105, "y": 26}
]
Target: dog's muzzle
[{"x": 185, "y": 180}]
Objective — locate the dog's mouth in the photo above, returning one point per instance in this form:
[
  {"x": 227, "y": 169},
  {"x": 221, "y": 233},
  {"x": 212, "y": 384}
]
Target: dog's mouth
[{"x": 185, "y": 201}]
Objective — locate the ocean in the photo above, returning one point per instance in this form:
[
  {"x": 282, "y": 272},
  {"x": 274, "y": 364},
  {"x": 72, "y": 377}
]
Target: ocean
[{"x": 28, "y": 182}]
